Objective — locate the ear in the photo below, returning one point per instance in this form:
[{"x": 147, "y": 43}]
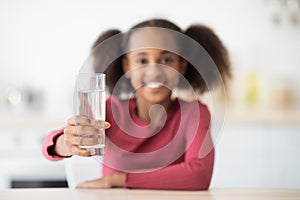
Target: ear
[
  {"x": 183, "y": 66},
  {"x": 125, "y": 67}
]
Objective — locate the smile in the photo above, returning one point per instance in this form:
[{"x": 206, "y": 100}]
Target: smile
[{"x": 154, "y": 85}]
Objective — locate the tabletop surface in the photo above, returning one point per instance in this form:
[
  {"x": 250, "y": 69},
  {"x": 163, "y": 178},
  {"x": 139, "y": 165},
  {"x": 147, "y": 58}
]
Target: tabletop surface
[{"x": 112, "y": 194}]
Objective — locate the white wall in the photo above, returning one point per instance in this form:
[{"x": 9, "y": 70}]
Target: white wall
[{"x": 44, "y": 43}]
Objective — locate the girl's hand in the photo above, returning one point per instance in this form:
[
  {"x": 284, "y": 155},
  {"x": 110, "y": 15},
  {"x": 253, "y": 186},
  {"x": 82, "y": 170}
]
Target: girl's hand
[
  {"x": 69, "y": 143},
  {"x": 109, "y": 181}
]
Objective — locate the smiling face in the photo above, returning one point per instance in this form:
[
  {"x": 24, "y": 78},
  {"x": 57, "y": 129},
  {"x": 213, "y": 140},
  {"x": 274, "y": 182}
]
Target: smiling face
[{"x": 153, "y": 72}]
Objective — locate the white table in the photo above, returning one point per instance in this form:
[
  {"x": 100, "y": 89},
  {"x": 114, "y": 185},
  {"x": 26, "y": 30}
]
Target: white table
[{"x": 126, "y": 194}]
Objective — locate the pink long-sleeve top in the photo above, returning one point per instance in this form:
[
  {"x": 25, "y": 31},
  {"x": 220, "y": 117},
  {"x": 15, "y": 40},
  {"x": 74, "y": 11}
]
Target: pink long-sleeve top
[{"x": 177, "y": 153}]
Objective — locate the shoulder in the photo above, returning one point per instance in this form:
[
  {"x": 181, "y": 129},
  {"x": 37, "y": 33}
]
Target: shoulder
[
  {"x": 112, "y": 100},
  {"x": 194, "y": 106},
  {"x": 116, "y": 106},
  {"x": 196, "y": 110}
]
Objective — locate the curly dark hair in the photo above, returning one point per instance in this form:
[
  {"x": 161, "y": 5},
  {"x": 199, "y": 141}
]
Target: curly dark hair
[{"x": 202, "y": 34}]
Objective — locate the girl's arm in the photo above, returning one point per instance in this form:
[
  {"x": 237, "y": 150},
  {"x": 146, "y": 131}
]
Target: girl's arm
[
  {"x": 193, "y": 174},
  {"x": 48, "y": 145}
]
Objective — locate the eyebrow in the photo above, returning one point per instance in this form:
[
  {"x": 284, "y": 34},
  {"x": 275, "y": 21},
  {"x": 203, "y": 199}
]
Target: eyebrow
[
  {"x": 166, "y": 52},
  {"x": 144, "y": 53}
]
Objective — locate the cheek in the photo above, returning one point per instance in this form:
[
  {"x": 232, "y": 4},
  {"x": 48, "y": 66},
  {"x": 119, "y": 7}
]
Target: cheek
[
  {"x": 173, "y": 77},
  {"x": 136, "y": 78},
  {"x": 174, "y": 80}
]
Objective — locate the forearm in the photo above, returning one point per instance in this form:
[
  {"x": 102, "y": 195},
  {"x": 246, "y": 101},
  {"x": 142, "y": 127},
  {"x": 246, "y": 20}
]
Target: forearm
[{"x": 193, "y": 175}]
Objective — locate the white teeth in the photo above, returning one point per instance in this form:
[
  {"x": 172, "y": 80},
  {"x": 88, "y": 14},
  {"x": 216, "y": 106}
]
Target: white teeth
[{"x": 154, "y": 84}]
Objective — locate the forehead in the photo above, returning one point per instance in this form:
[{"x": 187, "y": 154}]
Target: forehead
[{"x": 153, "y": 38}]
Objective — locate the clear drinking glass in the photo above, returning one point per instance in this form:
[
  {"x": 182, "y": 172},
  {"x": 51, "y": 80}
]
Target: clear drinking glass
[{"x": 89, "y": 102}]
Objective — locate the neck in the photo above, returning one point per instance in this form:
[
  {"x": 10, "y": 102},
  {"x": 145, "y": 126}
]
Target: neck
[{"x": 157, "y": 110}]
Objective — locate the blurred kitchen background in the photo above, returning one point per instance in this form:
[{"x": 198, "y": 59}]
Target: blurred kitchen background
[{"x": 44, "y": 43}]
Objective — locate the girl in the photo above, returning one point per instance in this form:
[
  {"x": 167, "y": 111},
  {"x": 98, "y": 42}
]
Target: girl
[{"x": 154, "y": 138}]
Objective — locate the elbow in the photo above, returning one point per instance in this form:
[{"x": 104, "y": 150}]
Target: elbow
[
  {"x": 200, "y": 176},
  {"x": 200, "y": 182}
]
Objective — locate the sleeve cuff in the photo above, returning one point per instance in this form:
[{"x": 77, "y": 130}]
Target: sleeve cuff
[{"x": 49, "y": 143}]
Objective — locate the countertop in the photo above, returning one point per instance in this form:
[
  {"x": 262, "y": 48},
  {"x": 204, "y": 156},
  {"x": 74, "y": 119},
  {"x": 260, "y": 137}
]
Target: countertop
[{"x": 112, "y": 194}]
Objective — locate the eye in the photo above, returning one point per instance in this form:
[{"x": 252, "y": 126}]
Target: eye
[
  {"x": 141, "y": 61},
  {"x": 166, "y": 60}
]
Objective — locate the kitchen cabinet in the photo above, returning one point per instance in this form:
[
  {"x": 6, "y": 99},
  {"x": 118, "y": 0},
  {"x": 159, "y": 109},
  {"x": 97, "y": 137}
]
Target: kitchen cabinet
[
  {"x": 257, "y": 155},
  {"x": 20, "y": 153}
]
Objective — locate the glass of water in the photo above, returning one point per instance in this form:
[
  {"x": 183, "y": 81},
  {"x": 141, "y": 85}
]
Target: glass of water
[{"x": 89, "y": 103}]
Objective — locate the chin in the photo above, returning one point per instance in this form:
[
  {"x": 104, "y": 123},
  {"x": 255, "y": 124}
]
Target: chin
[{"x": 157, "y": 99}]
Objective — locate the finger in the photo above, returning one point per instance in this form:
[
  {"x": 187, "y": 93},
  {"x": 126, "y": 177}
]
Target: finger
[
  {"x": 76, "y": 150},
  {"x": 100, "y": 124},
  {"x": 73, "y": 140},
  {"x": 87, "y": 130},
  {"x": 84, "y": 185},
  {"x": 77, "y": 130},
  {"x": 93, "y": 184},
  {"x": 80, "y": 120},
  {"x": 71, "y": 130},
  {"x": 81, "y": 186}
]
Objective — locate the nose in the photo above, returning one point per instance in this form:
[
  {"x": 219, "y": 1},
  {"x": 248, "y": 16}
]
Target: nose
[{"x": 154, "y": 72}]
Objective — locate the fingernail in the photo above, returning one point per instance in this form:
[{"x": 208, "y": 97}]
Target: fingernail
[{"x": 107, "y": 125}]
